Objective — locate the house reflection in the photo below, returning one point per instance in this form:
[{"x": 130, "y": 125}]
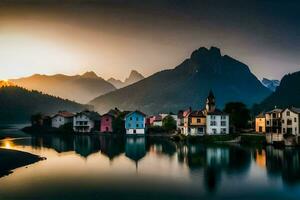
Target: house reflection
[
  {"x": 135, "y": 148},
  {"x": 260, "y": 158},
  {"x": 285, "y": 163},
  {"x": 212, "y": 162},
  {"x": 112, "y": 146}
]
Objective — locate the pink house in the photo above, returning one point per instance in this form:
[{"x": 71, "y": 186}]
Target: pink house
[{"x": 106, "y": 123}]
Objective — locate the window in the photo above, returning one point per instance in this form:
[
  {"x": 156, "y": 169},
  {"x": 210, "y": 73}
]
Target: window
[
  {"x": 295, "y": 119},
  {"x": 107, "y": 119},
  {"x": 283, "y": 121},
  {"x": 274, "y": 115},
  {"x": 289, "y": 122},
  {"x": 287, "y": 113},
  {"x": 213, "y": 123},
  {"x": 268, "y": 122},
  {"x": 213, "y": 117},
  {"x": 137, "y": 125},
  {"x": 224, "y": 117},
  {"x": 214, "y": 131},
  {"x": 223, "y": 130},
  {"x": 130, "y": 118},
  {"x": 198, "y": 120},
  {"x": 283, "y": 130},
  {"x": 137, "y": 119},
  {"x": 295, "y": 130},
  {"x": 223, "y": 123}
]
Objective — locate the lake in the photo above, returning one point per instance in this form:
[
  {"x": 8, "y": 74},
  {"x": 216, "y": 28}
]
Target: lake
[{"x": 114, "y": 167}]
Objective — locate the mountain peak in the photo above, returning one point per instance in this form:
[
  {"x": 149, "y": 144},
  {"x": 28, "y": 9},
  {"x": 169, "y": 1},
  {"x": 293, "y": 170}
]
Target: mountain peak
[
  {"x": 135, "y": 74},
  {"x": 203, "y": 52},
  {"x": 89, "y": 74}
]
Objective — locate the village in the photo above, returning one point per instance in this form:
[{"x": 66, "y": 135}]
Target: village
[
  {"x": 208, "y": 121},
  {"x": 278, "y": 125}
]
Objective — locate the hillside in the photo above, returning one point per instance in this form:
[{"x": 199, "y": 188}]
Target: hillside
[
  {"x": 133, "y": 77},
  {"x": 188, "y": 85},
  {"x": 18, "y": 104},
  {"x": 287, "y": 94},
  {"x": 80, "y": 88}
]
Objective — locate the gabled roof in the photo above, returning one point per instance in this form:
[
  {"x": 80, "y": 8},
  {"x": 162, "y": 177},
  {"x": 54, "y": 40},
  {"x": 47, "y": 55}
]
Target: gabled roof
[
  {"x": 216, "y": 112},
  {"x": 275, "y": 110},
  {"x": 158, "y": 118},
  {"x": 196, "y": 113},
  {"x": 293, "y": 109},
  {"x": 65, "y": 114},
  {"x": 260, "y": 115},
  {"x": 137, "y": 111},
  {"x": 90, "y": 114}
]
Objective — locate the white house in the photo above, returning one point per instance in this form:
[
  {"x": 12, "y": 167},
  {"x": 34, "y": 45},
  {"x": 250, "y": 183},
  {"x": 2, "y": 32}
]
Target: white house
[
  {"x": 86, "y": 121},
  {"x": 217, "y": 122},
  {"x": 61, "y": 118},
  {"x": 290, "y": 121},
  {"x": 158, "y": 121}
]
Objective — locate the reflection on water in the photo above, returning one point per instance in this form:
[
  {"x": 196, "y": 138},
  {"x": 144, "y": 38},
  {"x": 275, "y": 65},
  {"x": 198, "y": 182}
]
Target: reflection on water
[{"x": 114, "y": 166}]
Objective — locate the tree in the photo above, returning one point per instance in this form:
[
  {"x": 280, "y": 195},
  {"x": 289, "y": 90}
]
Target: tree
[
  {"x": 239, "y": 114},
  {"x": 169, "y": 124}
]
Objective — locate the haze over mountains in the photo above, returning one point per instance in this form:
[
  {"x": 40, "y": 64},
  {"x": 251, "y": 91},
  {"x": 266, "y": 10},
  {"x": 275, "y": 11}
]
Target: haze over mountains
[
  {"x": 18, "y": 104},
  {"x": 80, "y": 88},
  {"x": 132, "y": 78},
  {"x": 188, "y": 85}
]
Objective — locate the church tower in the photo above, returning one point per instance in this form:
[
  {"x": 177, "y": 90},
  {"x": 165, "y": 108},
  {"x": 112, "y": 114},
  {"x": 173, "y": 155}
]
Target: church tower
[{"x": 210, "y": 102}]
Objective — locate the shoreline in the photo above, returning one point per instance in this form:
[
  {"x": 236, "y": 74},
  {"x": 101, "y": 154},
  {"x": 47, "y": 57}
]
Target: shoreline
[{"x": 13, "y": 159}]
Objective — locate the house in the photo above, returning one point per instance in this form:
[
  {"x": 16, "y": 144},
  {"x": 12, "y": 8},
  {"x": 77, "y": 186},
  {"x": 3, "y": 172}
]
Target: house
[
  {"x": 61, "y": 118},
  {"x": 106, "y": 123},
  {"x": 217, "y": 122},
  {"x": 135, "y": 122},
  {"x": 157, "y": 121},
  {"x": 86, "y": 121},
  {"x": 182, "y": 121},
  {"x": 208, "y": 121},
  {"x": 260, "y": 123},
  {"x": 107, "y": 120},
  {"x": 195, "y": 123},
  {"x": 273, "y": 121},
  {"x": 290, "y": 121}
]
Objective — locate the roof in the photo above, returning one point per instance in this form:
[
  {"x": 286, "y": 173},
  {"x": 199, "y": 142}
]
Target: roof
[
  {"x": 114, "y": 112},
  {"x": 90, "y": 114},
  {"x": 295, "y": 110},
  {"x": 65, "y": 114},
  {"x": 275, "y": 110},
  {"x": 196, "y": 113},
  {"x": 216, "y": 112},
  {"x": 137, "y": 111},
  {"x": 158, "y": 118},
  {"x": 260, "y": 115}
]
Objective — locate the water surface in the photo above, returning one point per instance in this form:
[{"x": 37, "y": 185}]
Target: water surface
[{"x": 112, "y": 167}]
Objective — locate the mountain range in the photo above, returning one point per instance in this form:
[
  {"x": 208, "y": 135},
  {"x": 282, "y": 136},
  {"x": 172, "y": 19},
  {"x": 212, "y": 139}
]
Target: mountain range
[
  {"x": 18, "y": 104},
  {"x": 287, "y": 94},
  {"x": 270, "y": 84},
  {"x": 132, "y": 78},
  {"x": 80, "y": 88},
  {"x": 188, "y": 85}
]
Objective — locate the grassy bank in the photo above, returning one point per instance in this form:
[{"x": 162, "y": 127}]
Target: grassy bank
[{"x": 12, "y": 159}]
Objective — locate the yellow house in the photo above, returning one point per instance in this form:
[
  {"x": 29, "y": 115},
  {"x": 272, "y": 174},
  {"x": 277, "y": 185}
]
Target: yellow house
[
  {"x": 197, "y": 123},
  {"x": 260, "y": 123}
]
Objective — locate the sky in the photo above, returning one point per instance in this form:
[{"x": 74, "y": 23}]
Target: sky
[{"x": 112, "y": 37}]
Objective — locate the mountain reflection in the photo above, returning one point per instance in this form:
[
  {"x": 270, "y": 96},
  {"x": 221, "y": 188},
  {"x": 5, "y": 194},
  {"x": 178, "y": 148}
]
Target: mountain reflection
[{"x": 211, "y": 162}]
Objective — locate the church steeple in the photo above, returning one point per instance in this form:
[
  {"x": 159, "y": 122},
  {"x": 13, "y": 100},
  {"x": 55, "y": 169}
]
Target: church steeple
[{"x": 210, "y": 102}]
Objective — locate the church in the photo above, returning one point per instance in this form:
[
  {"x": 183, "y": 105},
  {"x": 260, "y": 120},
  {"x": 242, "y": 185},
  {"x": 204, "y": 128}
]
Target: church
[{"x": 208, "y": 121}]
